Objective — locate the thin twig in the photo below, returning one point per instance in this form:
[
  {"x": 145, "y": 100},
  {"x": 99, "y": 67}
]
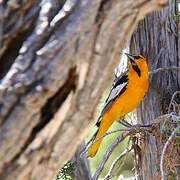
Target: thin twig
[
  {"x": 158, "y": 120},
  {"x": 164, "y": 150},
  {"x": 109, "y": 152},
  {"x": 171, "y": 68},
  {"x": 129, "y": 131},
  {"x": 137, "y": 126},
  {"x": 85, "y": 149},
  {"x": 154, "y": 122},
  {"x": 165, "y": 117},
  {"x": 137, "y": 157},
  {"x": 169, "y": 109},
  {"x": 172, "y": 99},
  {"x": 124, "y": 153},
  {"x": 133, "y": 130},
  {"x": 132, "y": 127}
]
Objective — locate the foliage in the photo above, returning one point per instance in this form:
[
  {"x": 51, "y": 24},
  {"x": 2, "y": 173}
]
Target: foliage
[{"x": 66, "y": 172}]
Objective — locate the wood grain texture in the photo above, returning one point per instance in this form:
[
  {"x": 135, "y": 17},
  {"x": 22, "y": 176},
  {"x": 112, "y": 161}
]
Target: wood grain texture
[
  {"x": 56, "y": 59},
  {"x": 157, "y": 38}
]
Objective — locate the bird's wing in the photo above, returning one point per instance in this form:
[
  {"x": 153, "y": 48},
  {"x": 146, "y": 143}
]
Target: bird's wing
[{"x": 118, "y": 88}]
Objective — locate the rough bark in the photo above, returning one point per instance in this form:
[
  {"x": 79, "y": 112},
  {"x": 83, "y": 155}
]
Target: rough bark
[
  {"x": 157, "y": 37},
  {"x": 82, "y": 170},
  {"x": 56, "y": 59}
]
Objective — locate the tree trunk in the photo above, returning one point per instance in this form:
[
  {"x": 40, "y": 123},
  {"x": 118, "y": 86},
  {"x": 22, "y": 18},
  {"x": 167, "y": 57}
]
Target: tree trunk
[
  {"x": 82, "y": 170},
  {"x": 56, "y": 58},
  {"x": 157, "y": 37}
]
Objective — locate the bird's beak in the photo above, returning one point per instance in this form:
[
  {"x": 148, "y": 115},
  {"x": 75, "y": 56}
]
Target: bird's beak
[{"x": 130, "y": 57}]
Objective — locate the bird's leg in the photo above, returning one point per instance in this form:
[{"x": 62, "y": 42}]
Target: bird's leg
[
  {"x": 128, "y": 125},
  {"x": 142, "y": 125},
  {"x": 125, "y": 123}
]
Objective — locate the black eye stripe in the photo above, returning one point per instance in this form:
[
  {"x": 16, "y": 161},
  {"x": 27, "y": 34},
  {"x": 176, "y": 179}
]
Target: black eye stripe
[
  {"x": 136, "y": 68},
  {"x": 137, "y": 57}
]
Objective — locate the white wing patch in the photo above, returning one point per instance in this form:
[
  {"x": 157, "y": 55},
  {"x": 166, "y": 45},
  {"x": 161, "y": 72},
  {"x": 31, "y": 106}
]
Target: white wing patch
[{"x": 116, "y": 91}]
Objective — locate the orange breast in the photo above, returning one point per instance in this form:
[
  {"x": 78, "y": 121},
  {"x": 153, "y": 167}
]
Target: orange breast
[{"x": 129, "y": 100}]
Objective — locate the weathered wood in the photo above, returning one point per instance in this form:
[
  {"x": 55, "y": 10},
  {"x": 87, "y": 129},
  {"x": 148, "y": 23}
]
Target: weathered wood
[
  {"x": 157, "y": 38},
  {"x": 82, "y": 170},
  {"x": 56, "y": 59}
]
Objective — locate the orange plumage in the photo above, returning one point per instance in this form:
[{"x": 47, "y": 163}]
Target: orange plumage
[{"x": 125, "y": 95}]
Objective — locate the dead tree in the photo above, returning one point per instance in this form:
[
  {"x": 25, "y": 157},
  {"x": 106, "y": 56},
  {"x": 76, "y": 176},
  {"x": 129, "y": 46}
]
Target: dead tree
[
  {"x": 56, "y": 57},
  {"x": 157, "y": 37}
]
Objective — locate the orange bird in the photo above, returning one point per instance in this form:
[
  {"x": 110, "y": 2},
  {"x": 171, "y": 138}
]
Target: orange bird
[{"x": 126, "y": 93}]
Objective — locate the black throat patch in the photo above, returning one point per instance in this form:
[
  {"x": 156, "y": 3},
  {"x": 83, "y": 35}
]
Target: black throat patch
[{"x": 136, "y": 69}]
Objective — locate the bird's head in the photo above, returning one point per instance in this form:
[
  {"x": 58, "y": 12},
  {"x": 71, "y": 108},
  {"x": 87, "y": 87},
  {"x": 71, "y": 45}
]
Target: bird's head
[
  {"x": 138, "y": 62},
  {"x": 135, "y": 58}
]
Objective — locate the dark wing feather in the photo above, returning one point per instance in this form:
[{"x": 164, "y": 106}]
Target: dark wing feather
[{"x": 119, "y": 86}]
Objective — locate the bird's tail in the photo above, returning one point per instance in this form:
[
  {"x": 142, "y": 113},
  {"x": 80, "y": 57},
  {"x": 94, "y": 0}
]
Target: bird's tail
[{"x": 104, "y": 126}]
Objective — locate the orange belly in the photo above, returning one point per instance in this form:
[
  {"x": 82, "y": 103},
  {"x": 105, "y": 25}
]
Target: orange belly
[{"x": 123, "y": 104}]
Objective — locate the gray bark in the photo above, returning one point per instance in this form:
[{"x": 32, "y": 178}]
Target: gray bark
[
  {"x": 82, "y": 170},
  {"x": 56, "y": 59},
  {"x": 157, "y": 38}
]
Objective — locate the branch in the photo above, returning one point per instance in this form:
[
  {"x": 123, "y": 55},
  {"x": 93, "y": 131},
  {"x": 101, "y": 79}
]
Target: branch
[
  {"x": 64, "y": 37},
  {"x": 166, "y": 117},
  {"x": 173, "y": 117},
  {"x": 172, "y": 101},
  {"x": 124, "y": 153},
  {"x": 133, "y": 130},
  {"x": 129, "y": 132},
  {"x": 164, "y": 150},
  {"x": 119, "y": 139},
  {"x": 171, "y": 68},
  {"x": 91, "y": 142}
]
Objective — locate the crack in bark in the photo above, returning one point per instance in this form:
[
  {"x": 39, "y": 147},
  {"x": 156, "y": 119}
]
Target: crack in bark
[
  {"x": 25, "y": 14},
  {"x": 34, "y": 43},
  {"x": 47, "y": 112},
  {"x": 53, "y": 103},
  {"x": 10, "y": 54},
  {"x": 46, "y": 64},
  {"x": 103, "y": 7}
]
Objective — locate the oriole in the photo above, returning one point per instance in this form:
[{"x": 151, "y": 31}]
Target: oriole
[{"x": 126, "y": 93}]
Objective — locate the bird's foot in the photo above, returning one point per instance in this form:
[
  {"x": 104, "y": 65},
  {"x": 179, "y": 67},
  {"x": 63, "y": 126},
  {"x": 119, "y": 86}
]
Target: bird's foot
[
  {"x": 128, "y": 125},
  {"x": 125, "y": 123}
]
